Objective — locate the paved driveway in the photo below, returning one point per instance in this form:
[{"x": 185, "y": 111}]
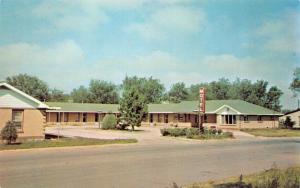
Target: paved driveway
[{"x": 144, "y": 135}]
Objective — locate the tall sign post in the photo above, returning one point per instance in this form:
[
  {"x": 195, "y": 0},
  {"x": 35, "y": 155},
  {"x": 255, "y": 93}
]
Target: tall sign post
[{"x": 201, "y": 110}]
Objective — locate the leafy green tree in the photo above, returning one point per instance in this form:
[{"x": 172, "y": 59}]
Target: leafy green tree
[
  {"x": 103, "y": 92},
  {"x": 193, "y": 91},
  {"x": 259, "y": 92},
  {"x": 295, "y": 85},
  {"x": 132, "y": 107},
  {"x": 151, "y": 88},
  {"x": 31, "y": 85},
  {"x": 273, "y": 99},
  {"x": 109, "y": 122},
  {"x": 241, "y": 89},
  {"x": 80, "y": 95},
  {"x": 9, "y": 132},
  {"x": 58, "y": 96},
  {"x": 220, "y": 89},
  {"x": 178, "y": 92}
]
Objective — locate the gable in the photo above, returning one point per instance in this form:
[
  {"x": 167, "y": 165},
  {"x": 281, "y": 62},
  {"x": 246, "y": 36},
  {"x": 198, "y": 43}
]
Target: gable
[
  {"x": 225, "y": 109},
  {"x": 10, "y": 99},
  {"x": 14, "y": 98}
]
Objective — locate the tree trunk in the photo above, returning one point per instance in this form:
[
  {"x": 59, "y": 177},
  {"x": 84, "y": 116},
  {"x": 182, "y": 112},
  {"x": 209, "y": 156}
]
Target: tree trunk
[{"x": 132, "y": 127}]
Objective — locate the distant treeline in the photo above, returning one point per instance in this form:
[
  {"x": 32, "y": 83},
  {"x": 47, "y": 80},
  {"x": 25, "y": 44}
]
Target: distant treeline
[{"x": 153, "y": 91}]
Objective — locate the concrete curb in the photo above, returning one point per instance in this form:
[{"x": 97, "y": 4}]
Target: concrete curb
[{"x": 66, "y": 147}]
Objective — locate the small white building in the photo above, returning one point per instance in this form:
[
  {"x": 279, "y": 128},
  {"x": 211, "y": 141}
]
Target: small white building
[{"x": 294, "y": 115}]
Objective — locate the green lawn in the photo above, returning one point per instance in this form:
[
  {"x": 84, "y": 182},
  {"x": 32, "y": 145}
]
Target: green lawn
[
  {"x": 63, "y": 142},
  {"x": 274, "y": 177},
  {"x": 273, "y": 132}
]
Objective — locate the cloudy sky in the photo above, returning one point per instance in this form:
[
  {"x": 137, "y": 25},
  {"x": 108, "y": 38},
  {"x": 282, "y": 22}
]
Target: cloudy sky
[{"x": 68, "y": 42}]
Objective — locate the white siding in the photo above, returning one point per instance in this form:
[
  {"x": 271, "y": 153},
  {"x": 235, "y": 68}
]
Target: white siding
[{"x": 10, "y": 101}]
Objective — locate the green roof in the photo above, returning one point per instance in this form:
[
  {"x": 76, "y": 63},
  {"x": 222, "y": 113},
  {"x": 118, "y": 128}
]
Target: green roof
[
  {"x": 83, "y": 107},
  {"x": 212, "y": 106}
]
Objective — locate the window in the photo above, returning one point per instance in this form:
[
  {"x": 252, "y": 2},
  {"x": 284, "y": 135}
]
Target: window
[
  {"x": 84, "y": 115},
  {"x": 166, "y": 118},
  {"x": 17, "y": 118},
  {"x": 96, "y": 117},
  {"x": 259, "y": 119},
  {"x": 158, "y": 118},
  {"x": 272, "y": 118},
  {"x": 151, "y": 118},
  {"x": 57, "y": 117},
  {"x": 246, "y": 118},
  {"x": 228, "y": 119}
]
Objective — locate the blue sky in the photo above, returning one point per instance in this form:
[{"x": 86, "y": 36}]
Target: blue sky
[{"x": 69, "y": 42}]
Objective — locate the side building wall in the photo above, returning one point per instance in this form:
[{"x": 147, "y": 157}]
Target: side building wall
[
  {"x": 295, "y": 117},
  {"x": 32, "y": 125}
]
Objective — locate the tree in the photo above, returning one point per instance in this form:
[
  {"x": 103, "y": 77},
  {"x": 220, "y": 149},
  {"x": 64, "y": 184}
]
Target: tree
[
  {"x": 241, "y": 89},
  {"x": 220, "y": 89},
  {"x": 151, "y": 88},
  {"x": 58, "y": 96},
  {"x": 273, "y": 99},
  {"x": 132, "y": 107},
  {"x": 259, "y": 92},
  {"x": 30, "y": 85},
  {"x": 295, "y": 85},
  {"x": 178, "y": 92},
  {"x": 194, "y": 91},
  {"x": 288, "y": 123},
  {"x": 9, "y": 132},
  {"x": 80, "y": 95},
  {"x": 103, "y": 92},
  {"x": 216, "y": 90}
]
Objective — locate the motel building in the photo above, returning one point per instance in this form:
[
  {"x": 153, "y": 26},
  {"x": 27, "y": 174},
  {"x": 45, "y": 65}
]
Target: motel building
[{"x": 31, "y": 115}]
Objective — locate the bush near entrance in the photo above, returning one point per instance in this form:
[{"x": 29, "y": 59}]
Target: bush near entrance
[
  {"x": 194, "y": 133},
  {"x": 109, "y": 122},
  {"x": 9, "y": 132}
]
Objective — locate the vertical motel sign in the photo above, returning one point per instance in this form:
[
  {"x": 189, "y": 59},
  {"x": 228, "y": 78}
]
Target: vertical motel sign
[
  {"x": 201, "y": 107},
  {"x": 202, "y": 100}
]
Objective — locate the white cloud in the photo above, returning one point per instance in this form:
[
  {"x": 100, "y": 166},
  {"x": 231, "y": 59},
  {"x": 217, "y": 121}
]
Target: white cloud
[
  {"x": 80, "y": 15},
  {"x": 169, "y": 20},
  {"x": 281, "y": 35},
  {"x": 57, "y": 64}
]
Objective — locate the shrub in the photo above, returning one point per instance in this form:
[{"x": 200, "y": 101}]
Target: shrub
[
  {"x": 288, "y": 123},
  {"x": 109, "y": 122},
  {"x": 213, "y": 131},
  {"x": 191, "y": 132},
  {"x": 9, "y": 132},
  {"x": 220, "y": 131},
  {"x": 164, "y": 132},
  {"x": 177, "y": 132}
]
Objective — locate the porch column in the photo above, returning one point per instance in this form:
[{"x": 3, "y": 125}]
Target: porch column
[{"x": 63, "y": 117}]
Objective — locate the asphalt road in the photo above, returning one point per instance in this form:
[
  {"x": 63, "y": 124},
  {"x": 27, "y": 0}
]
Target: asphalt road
[{"x": 144, "y": 165}]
